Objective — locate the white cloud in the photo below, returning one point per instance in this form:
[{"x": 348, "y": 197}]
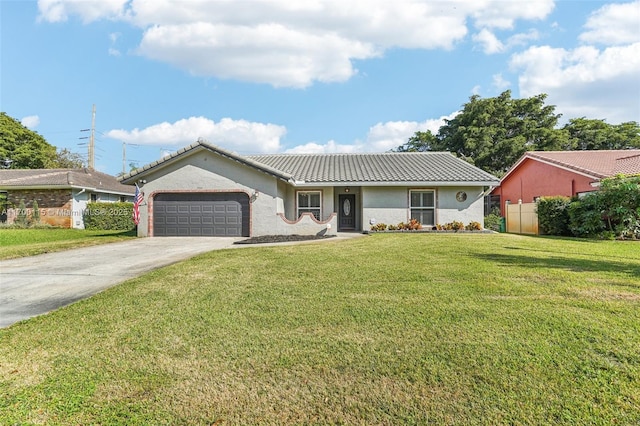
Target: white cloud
[
  {"x": 522, "y": 39},
  {"x": 500, "y": 83},
  {"x": 113, "y": 38},
  {"x": 330, "y": 147},
  {"x": 292, "y": 43},
  {"x": 614, "y": 24},
  {"x": 584, "y": 81},
  {"x": 489, "y": 42},
  {"x": 267, "y": 53},
  {"x": 30, "y": 121},
  {"x": 381, "y": 137},
  {"x": 88, "y": 11},
  {"x": 503, "y": 14},
  {"x": 392, "y": 134},
  {"x": 237, "y": 135}
]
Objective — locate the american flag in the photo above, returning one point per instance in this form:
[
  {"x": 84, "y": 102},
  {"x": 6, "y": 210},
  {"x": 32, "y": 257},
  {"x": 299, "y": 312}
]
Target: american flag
[{"x": 137, "y": 200}]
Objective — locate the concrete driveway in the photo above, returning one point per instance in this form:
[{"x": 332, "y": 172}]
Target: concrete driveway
[
  {"x": 35, "y": 285},
  {"x": 31, "y": 286}
]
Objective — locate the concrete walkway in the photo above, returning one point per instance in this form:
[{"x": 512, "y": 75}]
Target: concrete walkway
[{"x": 35, "y": 285}]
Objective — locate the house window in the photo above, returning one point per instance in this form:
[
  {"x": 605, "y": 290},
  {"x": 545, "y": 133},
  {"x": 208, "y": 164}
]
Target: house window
[
  {"x": 423, "y": 206},
  {"x": 94, "y": 198},
  {"x": 123, "y": 198},
  {"x": 309, "y": 202}
]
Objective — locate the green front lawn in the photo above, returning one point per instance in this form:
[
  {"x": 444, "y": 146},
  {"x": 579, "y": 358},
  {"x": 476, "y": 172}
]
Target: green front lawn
[
  {"x": 29, "y": 242},
  {"x": 387, "y": 329}
]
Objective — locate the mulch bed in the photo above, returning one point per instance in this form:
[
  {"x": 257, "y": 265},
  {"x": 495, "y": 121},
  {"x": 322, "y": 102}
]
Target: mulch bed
[{"x": 282, "y": 239}]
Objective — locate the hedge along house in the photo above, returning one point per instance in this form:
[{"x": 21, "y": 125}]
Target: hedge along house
[
  {"x": 61, "y": 194},
  {"x": 205, "y": 190}
]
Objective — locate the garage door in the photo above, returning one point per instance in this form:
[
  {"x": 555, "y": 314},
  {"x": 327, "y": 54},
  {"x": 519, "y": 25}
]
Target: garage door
[{"x": 201, "y": 214}]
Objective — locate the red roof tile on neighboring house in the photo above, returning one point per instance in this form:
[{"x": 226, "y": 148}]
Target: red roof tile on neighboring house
[
  {"x": 599, "y": 164},
  {"x": 628, "y": 165}
]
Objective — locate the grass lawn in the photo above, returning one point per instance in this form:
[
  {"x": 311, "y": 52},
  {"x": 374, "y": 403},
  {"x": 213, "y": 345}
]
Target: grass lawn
[
  {"x": 29, "y": 242},
  {"x": 389, "y": 329}
]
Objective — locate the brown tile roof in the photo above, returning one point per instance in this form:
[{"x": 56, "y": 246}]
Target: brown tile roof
[
  {"x": 63, "y": 178},
  {"x": 599, "y": 164}
]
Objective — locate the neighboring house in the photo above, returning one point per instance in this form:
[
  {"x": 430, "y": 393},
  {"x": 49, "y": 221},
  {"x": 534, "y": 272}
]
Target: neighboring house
[
  {"x": 567, "y": 173},
  {"x": 205, "y": 190},
  {"x": 61, "y": 194}
]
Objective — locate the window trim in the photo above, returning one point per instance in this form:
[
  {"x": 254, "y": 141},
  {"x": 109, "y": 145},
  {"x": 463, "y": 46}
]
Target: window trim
[
  {"x": 422, "y": 208},
  {"x": 307, "y": 209}
]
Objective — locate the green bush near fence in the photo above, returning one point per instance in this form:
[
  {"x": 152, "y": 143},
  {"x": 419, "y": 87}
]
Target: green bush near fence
[
  {"x": 109, "y": 216},
  {"x": 611, "y": 212},
  {"x": 553, "y": 215}
]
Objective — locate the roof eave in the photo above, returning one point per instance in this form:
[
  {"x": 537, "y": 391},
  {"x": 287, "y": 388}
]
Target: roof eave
[
  {"x": 136, "y": 175},
  {"x": 85, "y": 187},
  {"x": 304, "y": 184},
  {"x": 531, "y": 156}
]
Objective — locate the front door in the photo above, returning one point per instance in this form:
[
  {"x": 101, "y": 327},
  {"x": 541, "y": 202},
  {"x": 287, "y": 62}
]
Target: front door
[{"x": 346, "y": 212}]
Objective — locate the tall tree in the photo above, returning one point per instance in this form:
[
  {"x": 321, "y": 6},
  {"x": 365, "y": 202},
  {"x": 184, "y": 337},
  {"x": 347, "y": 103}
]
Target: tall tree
[
  {"x": 587, "y": 134},
  {"x": 26, "y": 148},
  {"x": 420, "y": 141},
  {"x": 493, "y": 133},
  {"x": 66, "y": 159}
]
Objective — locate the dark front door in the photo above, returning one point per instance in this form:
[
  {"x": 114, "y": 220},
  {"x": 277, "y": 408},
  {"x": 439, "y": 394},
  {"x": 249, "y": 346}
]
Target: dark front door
[{"x": 346, "y": 212}]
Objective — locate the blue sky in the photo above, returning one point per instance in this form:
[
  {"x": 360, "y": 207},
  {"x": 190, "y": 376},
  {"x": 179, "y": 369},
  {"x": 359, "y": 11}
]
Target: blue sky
[{"x": 267, "y": 76}]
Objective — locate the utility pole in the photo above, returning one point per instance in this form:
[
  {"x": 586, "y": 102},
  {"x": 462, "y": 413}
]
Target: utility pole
[
  {"x": 92, "y": 139},
  {"x": 124, "y": 157}
]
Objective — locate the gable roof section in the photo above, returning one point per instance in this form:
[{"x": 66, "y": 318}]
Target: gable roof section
[
  {"x": 597, "y": 164},
  {"x": 440, "y": 168},
  {"x": 62, "y": 178},
  {"x": 628, "y": 165},
  {"x": 194, "y": 148}
]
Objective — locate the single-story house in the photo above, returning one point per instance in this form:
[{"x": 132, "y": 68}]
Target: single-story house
[
  {"x": 61, "y": 194},
  {"x": 205, "y": 190},
  {"x": 567, "y": 173}
]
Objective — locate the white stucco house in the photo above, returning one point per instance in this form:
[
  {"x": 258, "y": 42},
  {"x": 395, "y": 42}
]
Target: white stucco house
[{"x": 206, "y": 190}]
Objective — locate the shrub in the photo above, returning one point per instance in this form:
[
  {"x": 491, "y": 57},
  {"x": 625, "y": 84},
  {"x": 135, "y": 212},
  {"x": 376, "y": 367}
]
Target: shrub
[
  {"x": 392, "y": 228},
  {"x": 585, "y": 216},
  {"x": 457, "y": 226},
  {"x": 35, "y": 215},
  {"x": 379, "y": 227},
  {"x": 414, "y": 225},
  {"x": 493, "y": 221},
  {"x": 553, "y": 215},
  {"x": 21, "y": 217},
  {"x": 621, "y": 205},
  {"x": 108, "y": 216},
  {"x": 473, "y": 226},
  {"x": 611, "y": 212},
  {"x": 452, "y": 226}
]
